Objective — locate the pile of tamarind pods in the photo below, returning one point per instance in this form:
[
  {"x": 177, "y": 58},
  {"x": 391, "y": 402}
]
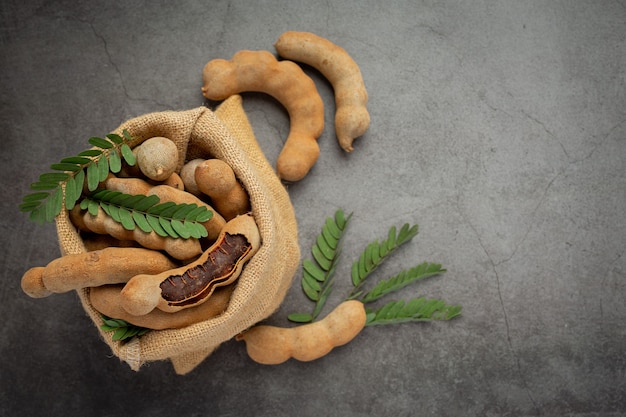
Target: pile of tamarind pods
[
  {"x": 161, "y": 282},
  {"x": 144, "y": 277},
  {"x": 261, "y": 71}
]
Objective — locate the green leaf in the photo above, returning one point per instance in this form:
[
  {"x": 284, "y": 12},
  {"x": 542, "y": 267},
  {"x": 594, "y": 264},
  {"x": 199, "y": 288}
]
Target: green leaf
[
  {"x": 300, "y": 317},
  {"x": 318, "y": 275},
  {"x": 128, "y": 155},
  {"x": 180, "y": 229},
  {"x": 115, "y": 162},
  {"x": 103, "y": 169},
  {"x": 91, "y": 153},
  {"x": 141, "y": 221},
  {"x": 65, "y": 166},
  {"x": 100, "y": 143},
  {"x": 77, "y": 160},
  {"x": 93, "y": 177},
  {"x": 156, "y": 225},
  {"x": 419, "y": 309},
  {"x": 126, "y": 218},
  {"x": 402, "y": 279},
  {"x": 53, "y": 177},
  {"x": 115, "y": 138},
  {"x": 375, "y": 253},
  {"x": 146, "y": 203}
]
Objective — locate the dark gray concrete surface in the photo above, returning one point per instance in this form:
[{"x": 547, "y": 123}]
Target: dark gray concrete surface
[{"x": 497, "y": 126}]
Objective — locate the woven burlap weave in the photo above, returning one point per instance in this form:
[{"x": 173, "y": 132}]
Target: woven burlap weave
[{"x": 225, "y": 134}]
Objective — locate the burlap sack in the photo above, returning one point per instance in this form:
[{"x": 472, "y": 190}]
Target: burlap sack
[{"x": 225, "y": 134}]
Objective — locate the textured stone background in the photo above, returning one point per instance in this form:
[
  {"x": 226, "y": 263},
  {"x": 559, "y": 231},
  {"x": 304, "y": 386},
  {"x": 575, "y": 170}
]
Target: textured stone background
[{"x": 497, "y": 126}]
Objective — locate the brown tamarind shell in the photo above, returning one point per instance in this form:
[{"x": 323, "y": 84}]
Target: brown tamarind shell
[{"x": 199, "y": 281}]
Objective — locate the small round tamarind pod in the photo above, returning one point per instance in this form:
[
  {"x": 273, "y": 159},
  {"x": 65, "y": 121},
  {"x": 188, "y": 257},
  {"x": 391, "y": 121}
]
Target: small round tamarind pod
[
  {"x": 193, "y": 284},
  {"x": 157, "y": 158},
  {"x": 216, "y": 179},
  {"x": 106, "y": 299},
  {"x": 188, "y": 175},
  {"x": 260, "y": 71},
  {"x": 107, "y": 266},
  {"x": 271, "y": 345},
  {"x": 351, "y": 117}
]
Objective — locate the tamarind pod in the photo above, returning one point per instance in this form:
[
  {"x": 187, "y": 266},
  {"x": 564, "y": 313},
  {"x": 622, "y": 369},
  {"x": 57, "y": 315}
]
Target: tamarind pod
[
  {"x": 91, "y": 269},
  {"x": 106, "y": 299},
  {"x": 96, "y": 241},
  {"x": 351, "y": 116},
  {"x": 131, "y": 186},
  {"x": 166, "y": 193},
  {"x": 175, "y": 181},
  {"x": 271, "y": 345},
  {"x": 187, "y": 173},
  {"x": 260, "y": 71},
  {"x": 33, "y": 285},
  {"x": 187, "y": 286},
  {"x": 216, "y": 179},
  {"x": 182, "y": 249}
]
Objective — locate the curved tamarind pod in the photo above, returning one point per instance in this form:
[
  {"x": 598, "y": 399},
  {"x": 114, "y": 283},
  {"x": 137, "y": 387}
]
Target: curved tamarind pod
[
  {"x": 351, "y": 117},
  {"x": 106, "y": 299},
  {"x": 272, "y": 345},
  {"x": 260, "y": 71},
  {"x": 216, "y": 179},
  {"x": 92, "y": 269},
  {"x": 182, "y": 249},
  {"x": 192, "y": 284}
]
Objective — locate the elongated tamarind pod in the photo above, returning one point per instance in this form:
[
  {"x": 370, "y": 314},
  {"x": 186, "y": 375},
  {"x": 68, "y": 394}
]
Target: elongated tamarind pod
[
  {"x": 101, "y": 223},
  {"x": 192, "y": 284},
  {"x": 106, "y": 299},
  {"x": 270, "y": 345},
  {"x": 92, "y": 269},
  {"x": 260, "y": 71},
  {"x": 351, "y": 116},
  {"x": 216, "y": 179}
]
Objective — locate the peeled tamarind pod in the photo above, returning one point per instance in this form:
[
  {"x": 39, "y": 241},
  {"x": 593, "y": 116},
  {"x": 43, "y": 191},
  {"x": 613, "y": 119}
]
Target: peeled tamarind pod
[
  {"x": 192, "y": 284},
  {"x": 272, "y": 345},
  {"x": 106, "y": 299},
  {"x": 166, "y": 193},
  {"x": 91, "y": 269},
  {"x": 101, "y": 223},
  {"x": 260, "y": 71},
  {"x": 351, "y": 117},
  {"x": 216, "y": 179}
]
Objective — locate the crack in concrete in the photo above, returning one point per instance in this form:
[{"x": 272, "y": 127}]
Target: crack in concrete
[{"x": 494, "y": 268}]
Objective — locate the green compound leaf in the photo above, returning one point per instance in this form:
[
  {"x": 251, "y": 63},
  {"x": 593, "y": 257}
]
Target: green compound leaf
[
  {"x": 376, "y": 252},
  {"x": 318, "y": 274},
  {"x": 145, "y": 212},
  {"x": 122, "y": 330},
  {"x": 418, "y": 309},
  {"x": 401, "y": 280},
  {"x": 92, "y": 165}
]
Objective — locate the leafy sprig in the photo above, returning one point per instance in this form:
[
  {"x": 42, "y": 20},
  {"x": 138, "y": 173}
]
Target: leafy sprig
[
  {"x": 402, "y": 279},
  {"x": 318, "y": 274},
  {"x": 393, "y": 312},
  {"x": 417, "y": 309},
  {"x": 376, "y": 252},
  {"x": 122, "y": 329},
  {"x": 69, "y": 176},
  {"x": 145, "y": 212}
]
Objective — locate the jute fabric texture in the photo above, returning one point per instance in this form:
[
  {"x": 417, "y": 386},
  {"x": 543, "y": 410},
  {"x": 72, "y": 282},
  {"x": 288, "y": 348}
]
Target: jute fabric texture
[{"x": 225, "y": 134}]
